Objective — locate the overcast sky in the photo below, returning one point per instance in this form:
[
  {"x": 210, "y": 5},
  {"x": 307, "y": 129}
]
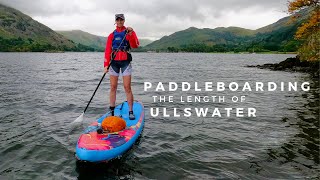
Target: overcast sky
[{"x": 151, "y": 18}]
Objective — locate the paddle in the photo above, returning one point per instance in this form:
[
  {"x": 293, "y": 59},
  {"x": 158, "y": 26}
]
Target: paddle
[{"x": 80, "y": 118}]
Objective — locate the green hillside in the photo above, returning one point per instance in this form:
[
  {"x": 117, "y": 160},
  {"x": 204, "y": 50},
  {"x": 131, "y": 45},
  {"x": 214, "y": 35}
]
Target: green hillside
[
  {"x": 192, "y": 35},
  {"x": 19, "y": 32},
  {"x": 279, "y": 36},
  {"x": 78, "y": 36},
  {"x": 94, "y": 41},
  {"x": 274, "y": 37}
]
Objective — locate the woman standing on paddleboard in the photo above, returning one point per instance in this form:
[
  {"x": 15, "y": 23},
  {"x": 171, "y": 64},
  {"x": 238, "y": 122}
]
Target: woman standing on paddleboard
[{"x": 117, "y": 52}]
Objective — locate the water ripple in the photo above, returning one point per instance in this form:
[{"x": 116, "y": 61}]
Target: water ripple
[{"x": 42, "y": 93}]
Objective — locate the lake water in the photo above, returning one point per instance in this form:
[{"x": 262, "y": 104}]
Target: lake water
[{"x": 42, "y": 93}]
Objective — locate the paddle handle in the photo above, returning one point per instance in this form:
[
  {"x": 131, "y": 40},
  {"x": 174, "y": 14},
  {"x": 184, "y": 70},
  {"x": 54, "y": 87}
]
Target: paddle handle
[{"x": 104, "y": 74}]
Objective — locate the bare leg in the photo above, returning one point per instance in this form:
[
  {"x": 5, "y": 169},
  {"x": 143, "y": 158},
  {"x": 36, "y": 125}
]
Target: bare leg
[
  {"x": 113, "y": 90},
  {"x": 127, "y": 88}
]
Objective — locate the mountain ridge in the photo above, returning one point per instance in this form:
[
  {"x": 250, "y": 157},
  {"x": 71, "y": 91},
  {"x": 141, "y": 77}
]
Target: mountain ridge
[
  {"x": 19, "y": 32},
  {"x": 88, "y": 39},
  {"x": 278, "y": 36},
  {"x": 92, "y": 40}
]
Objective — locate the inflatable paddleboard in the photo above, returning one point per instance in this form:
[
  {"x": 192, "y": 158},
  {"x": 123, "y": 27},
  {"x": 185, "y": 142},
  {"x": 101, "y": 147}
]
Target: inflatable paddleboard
[{"x": 94, "y": 147}]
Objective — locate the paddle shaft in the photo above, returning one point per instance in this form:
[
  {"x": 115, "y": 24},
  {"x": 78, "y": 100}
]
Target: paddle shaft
[{"x": 104, "y": 74}]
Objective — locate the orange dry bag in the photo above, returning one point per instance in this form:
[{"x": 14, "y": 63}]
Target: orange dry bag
[{"x": 113, "y": 124}]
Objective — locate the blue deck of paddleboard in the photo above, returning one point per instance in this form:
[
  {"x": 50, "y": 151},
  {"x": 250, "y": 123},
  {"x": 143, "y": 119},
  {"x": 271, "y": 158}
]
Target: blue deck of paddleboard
[{"x": 104, "y": 155}]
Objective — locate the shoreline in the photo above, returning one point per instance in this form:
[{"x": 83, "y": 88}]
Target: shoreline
[{"x": 293, "y": 65}]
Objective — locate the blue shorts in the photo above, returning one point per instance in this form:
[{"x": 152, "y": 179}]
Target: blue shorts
[{"x": 123, "y": 66}]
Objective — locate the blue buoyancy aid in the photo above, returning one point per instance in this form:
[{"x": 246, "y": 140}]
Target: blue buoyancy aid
[{"x": 117, "y": 39}]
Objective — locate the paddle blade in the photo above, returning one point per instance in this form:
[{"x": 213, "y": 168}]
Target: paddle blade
[
  {"x": 79, "y": 119},
  {"x": 76, "y": 124}
]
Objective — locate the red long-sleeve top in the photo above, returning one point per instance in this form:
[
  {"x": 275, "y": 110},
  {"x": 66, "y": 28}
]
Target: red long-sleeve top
[{"x": 121, "y": 55}]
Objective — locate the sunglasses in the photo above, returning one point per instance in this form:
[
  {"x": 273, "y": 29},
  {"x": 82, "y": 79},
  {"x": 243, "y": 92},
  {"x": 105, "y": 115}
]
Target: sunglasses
[{"x": 119, "y": 19}]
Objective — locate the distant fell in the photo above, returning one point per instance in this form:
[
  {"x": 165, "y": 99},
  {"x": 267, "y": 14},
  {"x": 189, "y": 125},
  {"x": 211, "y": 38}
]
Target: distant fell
[
  {"x": 278, "y": 36},
  {"x": 19, "y": 32}
]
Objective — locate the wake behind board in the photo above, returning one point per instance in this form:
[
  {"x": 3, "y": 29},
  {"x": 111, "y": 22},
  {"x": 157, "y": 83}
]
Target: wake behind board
[{"x": 94, "y": 147}]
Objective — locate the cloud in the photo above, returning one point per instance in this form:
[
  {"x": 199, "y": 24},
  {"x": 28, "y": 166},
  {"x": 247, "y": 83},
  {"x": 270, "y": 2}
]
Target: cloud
[{"x": 152, "y": 18}]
